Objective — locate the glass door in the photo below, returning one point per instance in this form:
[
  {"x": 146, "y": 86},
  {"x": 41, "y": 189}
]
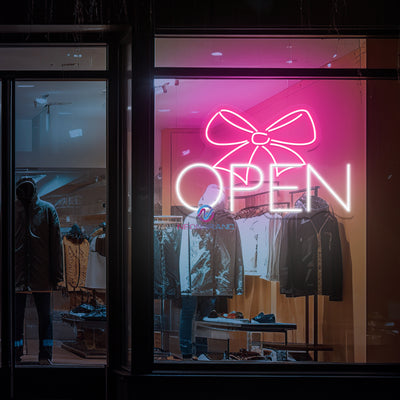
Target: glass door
[{"x": 60, "y": 222}]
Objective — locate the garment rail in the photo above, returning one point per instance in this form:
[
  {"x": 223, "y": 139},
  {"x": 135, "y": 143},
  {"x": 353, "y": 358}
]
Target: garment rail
[{"x": 307, "y": 312}]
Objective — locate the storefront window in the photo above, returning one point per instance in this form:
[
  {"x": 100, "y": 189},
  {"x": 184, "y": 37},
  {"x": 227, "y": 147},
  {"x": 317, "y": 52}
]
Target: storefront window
[
  {"x": 260, "y": 214},
  {"x": 60, "y": 222},
  {"x": 54, "y": 58},
  {"x": 259, "y": 52}
]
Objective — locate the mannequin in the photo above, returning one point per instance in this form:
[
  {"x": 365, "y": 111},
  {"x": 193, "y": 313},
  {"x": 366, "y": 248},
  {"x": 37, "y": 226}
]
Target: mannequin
[
  {"x": 210, "y": 264},
  {"x": 38, "y": 263}
]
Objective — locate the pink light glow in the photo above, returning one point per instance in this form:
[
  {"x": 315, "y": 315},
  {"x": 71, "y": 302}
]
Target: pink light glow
[{"x": 267, "y": 142}]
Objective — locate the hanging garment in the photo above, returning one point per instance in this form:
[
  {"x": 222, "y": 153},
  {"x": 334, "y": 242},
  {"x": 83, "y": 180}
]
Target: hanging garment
[
  {"x": 260, "y": 238},
  {"x": 253, "y": 236},
  {"x": 76, "y": 257},
  {"x": 210, "y": 262},
  {"x": 269, "y": 252},
  {"x": 311, "y": 257},
  {"x": 96, "y": 270},
  {"x": 167, "y": 243},
  {"x": 38, "y": 247}
]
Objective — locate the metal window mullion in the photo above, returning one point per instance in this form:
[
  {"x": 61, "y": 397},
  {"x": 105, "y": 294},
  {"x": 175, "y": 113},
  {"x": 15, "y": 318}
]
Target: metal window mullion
[{"x": 7, "y": 230}]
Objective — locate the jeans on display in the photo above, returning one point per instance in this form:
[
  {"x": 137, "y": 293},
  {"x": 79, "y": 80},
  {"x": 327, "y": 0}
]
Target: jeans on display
[
  {"x": 192, "y": 306},
  {"x": 43, "y": 307}
]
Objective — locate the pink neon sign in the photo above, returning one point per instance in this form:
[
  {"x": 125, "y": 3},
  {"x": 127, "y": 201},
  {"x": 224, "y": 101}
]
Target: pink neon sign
[{"x": 272, "y": 140}]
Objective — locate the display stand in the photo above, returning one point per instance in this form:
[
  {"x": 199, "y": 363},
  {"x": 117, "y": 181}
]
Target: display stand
[
  {"x": 88, "y": 344},
  {"x": 314, "y": 346},
  {"x": 249, "y": 327}
]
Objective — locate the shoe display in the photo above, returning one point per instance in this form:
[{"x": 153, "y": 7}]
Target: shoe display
[
  {"x": 235, "y": 315},
  {"x": 82, "y": 310},
  {"x": 98, "y": 314},
  {"x": 264, "y": 318},
  {"x": 213, "y": 314}
]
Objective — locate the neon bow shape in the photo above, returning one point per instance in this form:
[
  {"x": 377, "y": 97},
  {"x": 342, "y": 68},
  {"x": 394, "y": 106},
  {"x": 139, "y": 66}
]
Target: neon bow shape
[{"x": 251, "y": 141}]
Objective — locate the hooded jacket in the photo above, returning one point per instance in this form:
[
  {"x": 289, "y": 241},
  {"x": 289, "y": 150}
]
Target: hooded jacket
[
  {"x": 311, "y": 255},
  {"x": 210, "y": 262},
  {"x": 38, "y": 247}
]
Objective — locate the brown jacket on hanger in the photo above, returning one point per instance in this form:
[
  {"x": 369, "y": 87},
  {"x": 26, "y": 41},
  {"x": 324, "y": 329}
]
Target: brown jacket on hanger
[{"x": 76, "y": 255}]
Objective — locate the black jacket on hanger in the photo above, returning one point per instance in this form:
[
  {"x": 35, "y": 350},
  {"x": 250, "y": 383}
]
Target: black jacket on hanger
[
  {"x": 311, "y": 255},
  {"x": 38, "y": 246}
]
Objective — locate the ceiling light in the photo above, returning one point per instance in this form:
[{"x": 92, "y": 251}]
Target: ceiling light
[
  {"x": 25, "y": 86},
  {"x": 164, "y": 110},
  {"x": 289, "y": 62},
  {"x": 216, "y": 54},
  {"x": 329, "y": 65},
  {"x": 41, "y": 100},
  {"x": 73, "y": 133},
  {"x": 334, "y": 56},
  {"x": 195, "y": 112}
]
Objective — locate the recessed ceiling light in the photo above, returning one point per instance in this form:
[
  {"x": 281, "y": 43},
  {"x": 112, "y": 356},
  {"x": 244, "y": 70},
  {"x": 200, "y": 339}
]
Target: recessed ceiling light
[
  {"x": 216, "y": 54},
  {"x": 41, "y": 100},
  {"x": 164, "y": 110},
  {"x": 334, "y": 56},
  {"x": 73, "y": 133},
  {"x": 195, "y": 112},
  {"x": 25, "y": 86},
  {"x": 329, "y": 65},
  {"x": 289, "y": 62}
]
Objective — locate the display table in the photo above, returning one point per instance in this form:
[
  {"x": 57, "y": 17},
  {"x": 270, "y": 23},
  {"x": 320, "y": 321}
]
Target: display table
[
  {"x": 87, "y": 346},
  {"x": 247, "y": 326}
]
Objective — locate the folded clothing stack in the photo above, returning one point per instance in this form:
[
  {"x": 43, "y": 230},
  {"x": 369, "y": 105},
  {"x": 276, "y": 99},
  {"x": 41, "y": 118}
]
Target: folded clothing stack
[{"x": 89, "y": 312}]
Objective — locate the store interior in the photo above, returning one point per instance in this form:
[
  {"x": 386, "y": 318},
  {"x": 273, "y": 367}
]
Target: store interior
[
  {"x": 190, "y": 129},
  {"x": 60, "y": 141}
]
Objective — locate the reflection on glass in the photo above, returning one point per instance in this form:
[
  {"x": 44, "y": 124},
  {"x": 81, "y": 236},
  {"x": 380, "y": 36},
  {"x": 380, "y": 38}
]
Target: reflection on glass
[
  {"x": 242, "y": 255},
  {"x": 53, "y": 58},
  {"x": 60, "y": 222},
  {"x": 260, "y": 52}
]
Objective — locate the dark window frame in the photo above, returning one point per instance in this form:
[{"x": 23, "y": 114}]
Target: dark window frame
[
  {"x": 217, "y": 372},
  {"x": 111, "y": 38}
]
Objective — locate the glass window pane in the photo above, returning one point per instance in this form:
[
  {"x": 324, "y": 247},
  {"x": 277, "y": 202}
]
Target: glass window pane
[
  {"x": 260, "y": 52},
  {"x": 1, "y": 245},
  {"x": 233, "y": 277},
  {"x": 60, "y": 221},
  {"x": 53, "y": 58}
]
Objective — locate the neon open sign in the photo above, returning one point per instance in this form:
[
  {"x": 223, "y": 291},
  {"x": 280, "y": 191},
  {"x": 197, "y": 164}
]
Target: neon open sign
[{"x": 249, "y": 141}]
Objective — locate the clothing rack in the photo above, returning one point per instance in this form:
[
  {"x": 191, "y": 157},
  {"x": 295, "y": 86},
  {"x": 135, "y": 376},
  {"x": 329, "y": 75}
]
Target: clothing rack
[
  {"x": 267, "y": 205},
  {"x": 168, "y": 220},
  {"x": 260, "y": 206},
  {"x": 307, "y": 312},
  {"x": 256, "y": 194}
]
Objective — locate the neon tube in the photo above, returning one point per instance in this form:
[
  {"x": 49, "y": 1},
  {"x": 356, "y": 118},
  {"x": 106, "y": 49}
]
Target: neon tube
[
  {"x": 239, "y": 189},
  {"x": 271, "y": 140},
  {"x": 188, "y": 168}
]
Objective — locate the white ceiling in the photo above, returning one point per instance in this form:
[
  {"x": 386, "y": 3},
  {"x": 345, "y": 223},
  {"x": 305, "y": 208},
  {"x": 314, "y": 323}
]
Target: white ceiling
[
  {"x": 186, "y": 103},
  {"x": 261, "y": 52},
  {"x": 53, "y": 58}
]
